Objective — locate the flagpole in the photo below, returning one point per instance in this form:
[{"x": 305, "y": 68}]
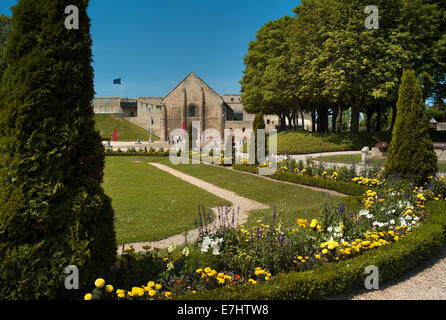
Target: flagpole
[{"x": 121, "y": 87}]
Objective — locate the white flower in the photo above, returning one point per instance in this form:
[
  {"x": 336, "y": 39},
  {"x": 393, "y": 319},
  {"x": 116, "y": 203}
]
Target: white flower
[
  {"x": 329, "y": 229},
  {"x": 186, "y": 251},
  {"x": 171, "y": 247},
  {"x": 369, "y": 216},
  {"x": 216, "y": 251},
  {"x": 392, "y": 221},
  {"x": 169, "y": 266},
  {"x": 363, "y": 212},
  {"x": 205, "y": 244}
]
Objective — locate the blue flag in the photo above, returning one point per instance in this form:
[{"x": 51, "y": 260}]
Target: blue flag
[{"x": 117, "y": 81}]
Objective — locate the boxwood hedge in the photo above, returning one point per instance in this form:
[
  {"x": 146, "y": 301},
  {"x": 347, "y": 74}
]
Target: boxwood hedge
[
  {"x": 392, "y": 260},
  {"x": 339, "y": 186}
]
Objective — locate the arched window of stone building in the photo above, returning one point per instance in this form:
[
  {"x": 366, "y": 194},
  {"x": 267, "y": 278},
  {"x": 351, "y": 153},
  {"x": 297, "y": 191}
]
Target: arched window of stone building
[{"x": 192, "y": 111}]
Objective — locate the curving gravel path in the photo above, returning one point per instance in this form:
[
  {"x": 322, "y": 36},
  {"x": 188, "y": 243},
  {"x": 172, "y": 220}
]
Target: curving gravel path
[
  {"x": 425, "y": 282},
  {"x": 241, "y": 204}
]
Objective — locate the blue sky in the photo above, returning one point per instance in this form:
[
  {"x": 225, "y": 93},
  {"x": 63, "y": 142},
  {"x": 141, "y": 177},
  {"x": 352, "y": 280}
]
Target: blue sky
[{"x": 153, "y": 45}]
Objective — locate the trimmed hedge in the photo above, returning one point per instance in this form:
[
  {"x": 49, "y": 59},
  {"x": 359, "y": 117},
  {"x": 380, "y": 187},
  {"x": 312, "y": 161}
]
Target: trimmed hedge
[
  {"x": 135, "y": 154},
  {"x": 339, "y": 186},
  {"x": 392, "y": 260}
]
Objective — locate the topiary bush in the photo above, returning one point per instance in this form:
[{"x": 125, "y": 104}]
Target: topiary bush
[
  {"x": 411, "y": 150},
  {"x": 53, "y": 210}
]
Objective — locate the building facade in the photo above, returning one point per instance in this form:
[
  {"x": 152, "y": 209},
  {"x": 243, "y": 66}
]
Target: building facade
[{"x": 191, "y": 100}]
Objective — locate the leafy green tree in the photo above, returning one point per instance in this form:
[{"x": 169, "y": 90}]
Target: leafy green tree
[
  {"x": 411, "y": 150},
  {"x": 5, "y": 28},
  {"x": 341, "y": 62},
  {"x": 267, "y": 85},
  {"x": 53, "y": 210}
]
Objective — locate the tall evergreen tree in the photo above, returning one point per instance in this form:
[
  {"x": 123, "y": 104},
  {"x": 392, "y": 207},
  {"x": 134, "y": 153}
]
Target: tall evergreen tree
[
  {"x": 5, "y": 28},
  {"x": 411, "y": 150},
  {"x": 53, "y": 210}
]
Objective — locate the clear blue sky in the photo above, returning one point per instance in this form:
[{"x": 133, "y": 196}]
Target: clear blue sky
[{"x": 154, "y": 44}]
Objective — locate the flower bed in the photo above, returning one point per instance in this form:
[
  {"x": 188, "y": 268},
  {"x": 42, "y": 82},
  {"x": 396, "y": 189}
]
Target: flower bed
[
  {"x": 138, "y": 152},
  {"x": 310, "y": 259},
  {"x": 392, "y": 261}
]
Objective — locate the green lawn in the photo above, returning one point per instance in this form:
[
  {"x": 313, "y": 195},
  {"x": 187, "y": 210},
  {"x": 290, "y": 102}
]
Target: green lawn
[
  {"x": 357, "y": 158},
  {"x": 151, "y": 204},
  {"x": 292, "y": 201},
  {"x": 127, "y": 131},
  {"x": 302, "y": 142}
]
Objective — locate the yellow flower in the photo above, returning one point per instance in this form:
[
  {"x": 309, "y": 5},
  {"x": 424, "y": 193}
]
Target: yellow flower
[
  {"x": 194, "y": 292},
  {"x": 152, "y": 292},
  {"x": 199, "y": 271},
  {"x": 99, "y": 283},
  {"x": 120, "y": 293},
  {"x": 259, "y": 272},
  {"x": 150, "y": 284},
  {"x": 302, "y": 223},
  {"x": 109, "y": 288},
  {"x": 324, "y": 251},
  {"x": 88, "y": 296},
  {"x": 167, "y": 294},
  {"x": 252, "y": 281},
  {"x": 158, "y": 286},
  {"x": 313, "y": 223}
]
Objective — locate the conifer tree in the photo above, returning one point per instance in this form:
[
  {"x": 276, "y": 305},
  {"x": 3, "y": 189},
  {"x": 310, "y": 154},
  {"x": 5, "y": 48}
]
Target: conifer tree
[
  {"x": 53, "y": 210},
  {"x": 5, "y": 26},
  {"x": 411, "y": 152}
]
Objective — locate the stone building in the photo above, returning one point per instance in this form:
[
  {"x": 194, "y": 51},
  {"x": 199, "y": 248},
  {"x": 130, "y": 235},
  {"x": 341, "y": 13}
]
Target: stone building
[{"x": 191, "y": 100}]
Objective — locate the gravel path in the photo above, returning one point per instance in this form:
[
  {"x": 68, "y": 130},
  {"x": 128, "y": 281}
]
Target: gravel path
[
  {"x": 240, "y": 204},
  {"x": 425, "y": 282}
]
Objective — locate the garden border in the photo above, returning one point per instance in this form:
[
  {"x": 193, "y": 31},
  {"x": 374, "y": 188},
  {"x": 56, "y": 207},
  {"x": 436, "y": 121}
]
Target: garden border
[
  {"x": 392, "y": 260},
  {"x": 339, "y": 186}
]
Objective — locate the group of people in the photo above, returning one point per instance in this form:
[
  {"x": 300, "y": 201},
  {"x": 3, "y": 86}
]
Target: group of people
[{"x": 173, "y": 140}]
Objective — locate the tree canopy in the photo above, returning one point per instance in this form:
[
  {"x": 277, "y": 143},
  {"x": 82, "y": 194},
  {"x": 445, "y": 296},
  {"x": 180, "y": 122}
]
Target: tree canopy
[{"x": 325, "y": 60}]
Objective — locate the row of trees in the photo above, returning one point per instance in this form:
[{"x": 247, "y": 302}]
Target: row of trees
[{"x": 325, "y": 61}]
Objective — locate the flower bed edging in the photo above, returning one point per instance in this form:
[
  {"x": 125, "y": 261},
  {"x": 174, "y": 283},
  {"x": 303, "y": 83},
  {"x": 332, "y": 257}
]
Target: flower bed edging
[{"x": 339, "y": 186}]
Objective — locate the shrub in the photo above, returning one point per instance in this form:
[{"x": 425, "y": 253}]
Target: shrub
[
  {"x": 411, "y": 150},
  {"x": 53, "y": 210},
  {"x": 339, "y": 186}
]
